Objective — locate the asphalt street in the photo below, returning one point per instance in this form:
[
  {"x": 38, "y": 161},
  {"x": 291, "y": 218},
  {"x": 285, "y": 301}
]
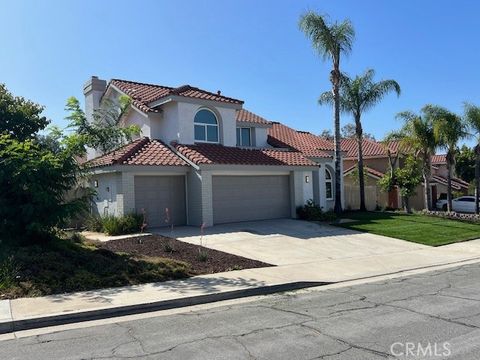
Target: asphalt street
[{"x": 434, "y": 315}]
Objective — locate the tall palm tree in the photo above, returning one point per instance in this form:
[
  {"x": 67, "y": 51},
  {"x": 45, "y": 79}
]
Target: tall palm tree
[
  {"x": 331, "y": 41},
  {"x": 449, "y": 129},
  {"x": 357, "y": 96},
  {"x": 418, "y": 135},
  {"x": 472, "y": 117}
]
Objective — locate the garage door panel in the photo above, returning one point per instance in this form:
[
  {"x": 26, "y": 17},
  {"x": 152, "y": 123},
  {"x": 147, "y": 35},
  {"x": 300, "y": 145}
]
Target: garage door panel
[
  {"x": 156, "y": 193},
  {"x": 244, "y": 198}
]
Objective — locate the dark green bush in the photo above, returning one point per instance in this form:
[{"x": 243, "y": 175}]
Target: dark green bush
[
  {"x": 94, "y": 223},
  {"x": 313, "y": 212},
  {"x": 34, "y": 181},
  {"x": 127, "y": 224}
]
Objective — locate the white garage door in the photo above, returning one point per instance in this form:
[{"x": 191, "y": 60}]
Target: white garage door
[
  {"x": 155, "y": 194},
  {"x": 245, "y": 198}
]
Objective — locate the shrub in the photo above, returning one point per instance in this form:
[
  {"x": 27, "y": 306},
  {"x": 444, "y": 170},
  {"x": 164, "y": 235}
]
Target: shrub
[
  {"x": 168, "y": 246},
  {"x": 127, "y": 224},
  {"x": 202, "y": 254},
  {"x": 312, "y": 212},
  {"x": 94, "y": 223},
  {"x": 9, "y": 272},
  {"x": 37, "y": 180},
  {"x": 115, "y": 225},
  {"x": 77, "y": 238}
]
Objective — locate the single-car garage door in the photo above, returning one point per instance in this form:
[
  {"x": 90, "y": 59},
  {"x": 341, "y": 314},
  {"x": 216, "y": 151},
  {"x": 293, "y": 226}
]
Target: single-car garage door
[
  {"x": 245, "y": 198},
  {"x": 157, "y": 193}
]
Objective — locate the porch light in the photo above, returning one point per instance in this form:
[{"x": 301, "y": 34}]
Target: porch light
[
  {"x": 307, "y": 179},
  {"x": 95, "y": 183}
]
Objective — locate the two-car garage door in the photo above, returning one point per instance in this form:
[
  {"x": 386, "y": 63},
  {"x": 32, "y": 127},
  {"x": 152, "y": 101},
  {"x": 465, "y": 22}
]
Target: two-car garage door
[
  {"x": 246, "y": 198},
  {"x": 155, "y": 194},
  {"x": 234, "y": 198}
]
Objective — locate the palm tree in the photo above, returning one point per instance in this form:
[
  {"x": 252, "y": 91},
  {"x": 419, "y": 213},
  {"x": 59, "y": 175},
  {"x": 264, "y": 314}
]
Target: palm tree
[
  {"x": 472, "y": 117},
  {"x": 357, "y": 96},
  {"x": 449, "y": 129},
  {"x": 331, "y": 41},
  {"x": 418, "y": 135}
]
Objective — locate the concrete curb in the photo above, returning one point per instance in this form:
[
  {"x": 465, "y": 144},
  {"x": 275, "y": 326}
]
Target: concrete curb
[
  {"x": 8, "y": 324},
  {"x": 6, "y": 320},
  {"x": 11, "y": 325}
]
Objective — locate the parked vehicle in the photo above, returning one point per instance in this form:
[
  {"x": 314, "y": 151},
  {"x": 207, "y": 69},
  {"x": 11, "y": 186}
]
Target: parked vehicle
[
  {"x": 441, "y": 203},
  {"x": 464, "y": 204}
]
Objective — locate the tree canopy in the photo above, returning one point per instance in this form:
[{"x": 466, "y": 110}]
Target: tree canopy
[
  {"x": 20, "y": 118},
  {"x": 329, "y": 40}
]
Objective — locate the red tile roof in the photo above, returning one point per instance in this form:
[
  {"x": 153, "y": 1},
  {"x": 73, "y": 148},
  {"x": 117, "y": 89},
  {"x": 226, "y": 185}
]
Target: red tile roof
[
  {"x": 247, "y": 116},
  {"x": 439, "y": 159},
  {"x": 144, "y": 94},
  {"x": 370, "y": 148},
  {"x": 142, "y": 151},
  {"x": 457, "y": 184},
  {"x": 369, "y": 170},
  {"x": 219, "y": 154},
  {"x": 311, "y": 145},
  {"x": 316, "y": 146}
]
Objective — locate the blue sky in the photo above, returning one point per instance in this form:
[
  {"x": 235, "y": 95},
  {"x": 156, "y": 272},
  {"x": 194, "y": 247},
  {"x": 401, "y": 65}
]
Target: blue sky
[{"x": 248, "y": 49}]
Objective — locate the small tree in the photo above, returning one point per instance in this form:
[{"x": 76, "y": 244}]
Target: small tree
[
  {"x": 327, "y": 134},
  {"x": 349, "y": 131},
  {"x": 407, "y": 178},
  {"x": 105, "y": 132}
]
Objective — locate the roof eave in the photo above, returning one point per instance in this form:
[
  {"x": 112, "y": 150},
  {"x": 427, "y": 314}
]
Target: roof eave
[{"x": 180, "y": 98}]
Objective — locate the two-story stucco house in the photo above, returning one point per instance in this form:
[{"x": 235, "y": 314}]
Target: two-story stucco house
[{"x": 201, "y": 159}]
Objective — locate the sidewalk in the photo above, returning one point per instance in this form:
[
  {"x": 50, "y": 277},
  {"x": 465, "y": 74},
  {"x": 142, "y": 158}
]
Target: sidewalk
[{"x": 28, "y": 313}]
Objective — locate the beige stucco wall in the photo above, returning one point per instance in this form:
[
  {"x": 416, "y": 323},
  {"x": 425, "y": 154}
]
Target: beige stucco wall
[{"x": 373, "y": 195}]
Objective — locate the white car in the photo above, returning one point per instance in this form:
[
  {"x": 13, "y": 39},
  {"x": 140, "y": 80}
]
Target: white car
[
  {"x": 464, "y": 204},
  {"x": 441, "y": 204}
]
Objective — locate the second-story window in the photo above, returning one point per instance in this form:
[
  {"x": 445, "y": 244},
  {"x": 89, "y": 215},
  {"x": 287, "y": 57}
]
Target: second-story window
[
  {"x": 206, "y": 126},
  {"x": 244, "y": 137}
]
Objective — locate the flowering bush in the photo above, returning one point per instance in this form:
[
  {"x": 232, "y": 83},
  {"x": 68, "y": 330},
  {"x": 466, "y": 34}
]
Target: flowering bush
[{"x": 453, "y": 215}]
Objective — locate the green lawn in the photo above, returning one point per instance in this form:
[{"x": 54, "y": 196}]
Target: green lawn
[{"x": 416, "y": 228}]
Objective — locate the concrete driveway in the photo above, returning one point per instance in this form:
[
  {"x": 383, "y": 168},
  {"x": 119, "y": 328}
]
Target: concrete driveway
[{"x": 288, "y": 242}]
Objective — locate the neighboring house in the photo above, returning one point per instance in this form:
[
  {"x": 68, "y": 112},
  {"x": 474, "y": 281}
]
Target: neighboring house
[
  {"x": 439, "y": 179},
  {"x": 201, "y": 159},
  {"x": 376, "y": 164}
]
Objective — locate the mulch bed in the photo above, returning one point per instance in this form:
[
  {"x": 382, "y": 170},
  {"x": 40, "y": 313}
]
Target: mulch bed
[{"x": 159, "y": 246}]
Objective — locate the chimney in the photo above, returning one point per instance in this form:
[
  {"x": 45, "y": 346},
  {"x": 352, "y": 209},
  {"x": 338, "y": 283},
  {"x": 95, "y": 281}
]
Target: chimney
[{"x": 93, "y": 90}]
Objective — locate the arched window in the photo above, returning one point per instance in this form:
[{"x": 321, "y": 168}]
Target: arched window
[
  {"x": 328, "y": 185},
  {"x": 206, "y": 126}
]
